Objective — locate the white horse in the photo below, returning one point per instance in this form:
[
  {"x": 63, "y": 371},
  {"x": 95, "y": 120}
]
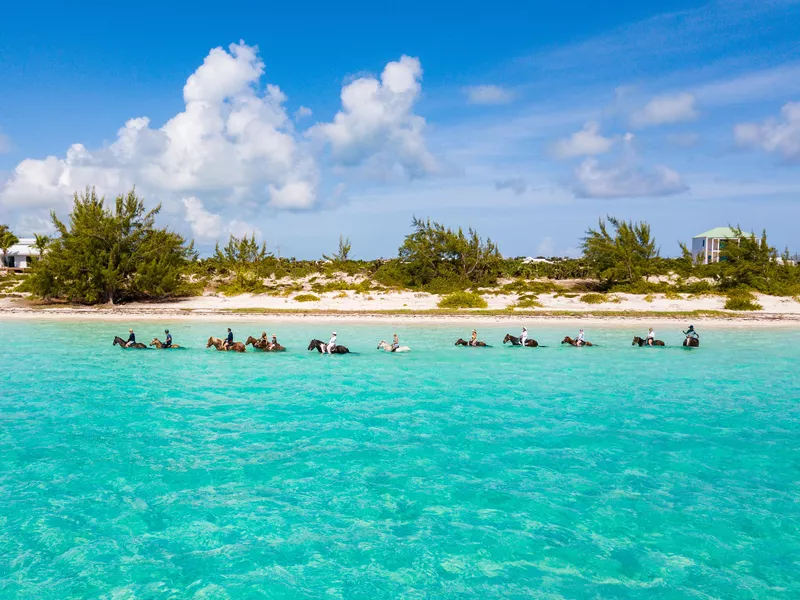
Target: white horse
[{"x": 388, "y": 347}]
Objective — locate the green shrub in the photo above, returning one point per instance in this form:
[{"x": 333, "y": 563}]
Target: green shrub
[
  {"x": 445, "y": 285},
  {"x": 565, "y": 295},
  {"x": 594, "y": 298},
  {"x": 742, "y": 300},
  {"x": 306, "y": 298},
  {"x": 649, "y": 298},
  {"x": 462, "y": 300},
  {"x": 241, "y": 285},
  {"x": 671, "y": 295},
  {"x": 528, "y": 302},
  {"x": 536, "y": 287}
]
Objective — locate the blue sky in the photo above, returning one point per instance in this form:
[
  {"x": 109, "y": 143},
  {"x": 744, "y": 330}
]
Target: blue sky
[{"x": 525, "y": 120}]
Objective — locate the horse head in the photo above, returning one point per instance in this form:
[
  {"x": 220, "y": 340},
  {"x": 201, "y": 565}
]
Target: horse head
[
  {"x": 118, "y": 340},
  {"x": 314, "y": 344},
  {"x": 460, "y": 342},
  {"x": 210, "y": 342},
  {"x": 155, "y": 342},
  {"x": 566, "y": 340},
  {"x": 636, "y": 340},
  {"x": 382, "y": 344},
  {"x": 250, "y": 340},
  {"x": 507, "y": 339}
]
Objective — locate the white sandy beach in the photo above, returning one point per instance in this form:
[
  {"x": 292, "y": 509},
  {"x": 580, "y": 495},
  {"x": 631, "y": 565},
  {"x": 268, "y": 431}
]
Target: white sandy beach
[{"x": 421, "y": 307}]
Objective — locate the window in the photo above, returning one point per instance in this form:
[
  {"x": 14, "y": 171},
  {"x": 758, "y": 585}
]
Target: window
[{"x": 704, "y": 242}]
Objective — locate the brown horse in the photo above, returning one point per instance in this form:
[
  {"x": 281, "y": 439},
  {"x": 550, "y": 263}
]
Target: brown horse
[
  {"x": 515, "y": 341},
  {"x": 461, "y": 342},
  {"x": 571, "y": 342},
  {"x": 691, "y": 342},
  {"x": 318, "y": 344},
  {"x": 263, "y": 345},
  {"x": 643, "y": 342},
  {"x": 220, "y": 345},
  {"x": 158, "y": 344},
  {"x": 118, "y": 341}
]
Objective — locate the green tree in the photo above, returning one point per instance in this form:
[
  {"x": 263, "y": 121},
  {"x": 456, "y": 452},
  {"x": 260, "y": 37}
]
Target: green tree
[
  {"x": 342, "y": 254},
  {"x": 7, "y": 239},
  {"x": 433, "y": 251},
  {"x": 620, "y": 251},
  {"x": 749, "y": 261},
  {"x": 106, "y": 254},
  {"x": 41, "y": 242},
  {"x": 246, "y": 260}
]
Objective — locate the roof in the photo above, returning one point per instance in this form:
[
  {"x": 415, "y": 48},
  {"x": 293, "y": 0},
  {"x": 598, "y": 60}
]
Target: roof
[
  {"x": 722, "y": 232},
  {"x": 24, "y": 248}
]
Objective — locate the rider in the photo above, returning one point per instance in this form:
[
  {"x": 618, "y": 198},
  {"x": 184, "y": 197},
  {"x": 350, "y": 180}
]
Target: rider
[
  {"x": 228, "y": 339},
  {"x": 168, "y": 340},
  {"x": 473, "y": 340},
  {"x": 579, "y": 341},
  {"x": 331, "y": 343},
  {"x": 274, "y": 343},
  {"x": 523, "y": 337},
  {"x": 131, "y": 339},
  {"x": 651, "y": 337},
  {"x": 691, "y": 333},
  {"x": 263, "y": 341},
  {"x": 395, "y": 343}
]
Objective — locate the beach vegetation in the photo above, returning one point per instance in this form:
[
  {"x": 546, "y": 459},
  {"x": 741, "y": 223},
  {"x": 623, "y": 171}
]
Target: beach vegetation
[
  {"x": 111, "y": 253},
  {"x": 343, "y": 252},
  {"x": 306, "y": 298},
  {"x": 594, "y": 298},
  {"x": 463, "y": 300},
  {"x": 742, "y": 299},
  {"x": 620, "y": 251},
  {"x": 528, "y": 301}
]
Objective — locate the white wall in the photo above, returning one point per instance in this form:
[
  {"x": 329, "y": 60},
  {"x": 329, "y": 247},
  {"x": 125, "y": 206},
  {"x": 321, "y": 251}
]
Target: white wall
[{"x": 699, "y": 250}]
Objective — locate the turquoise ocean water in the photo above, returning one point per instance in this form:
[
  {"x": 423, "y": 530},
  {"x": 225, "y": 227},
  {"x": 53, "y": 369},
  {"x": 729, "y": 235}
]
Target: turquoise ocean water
[{"x": 610, "y": 472}]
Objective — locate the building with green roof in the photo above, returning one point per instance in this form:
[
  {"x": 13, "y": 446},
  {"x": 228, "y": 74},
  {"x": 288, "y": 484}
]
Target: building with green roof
[{"x": 709, "y": 246}]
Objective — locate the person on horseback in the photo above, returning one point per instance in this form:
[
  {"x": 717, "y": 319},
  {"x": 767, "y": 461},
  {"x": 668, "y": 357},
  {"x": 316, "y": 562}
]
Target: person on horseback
[
  {"x": 131, "y": 339},
  {"x": 651, "y": 337},
  {"x": 580, "y": 341},
  {"x": 274, "y": 343},
  {"x": 264, "y": 341},
  {"x": 523, "y": 337},
  {"x": 395, "y": 343},
  {"x": 691, "y": 333},
  {"x": 228, "y": 340},
  {"x": 331, "y": 343},
  {"x": 473, "y": 340},
  {"x": 168, "y": 340}
]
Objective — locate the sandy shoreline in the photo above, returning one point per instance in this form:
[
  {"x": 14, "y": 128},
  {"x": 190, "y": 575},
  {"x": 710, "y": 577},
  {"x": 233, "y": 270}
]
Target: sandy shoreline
[
  {"x": 594, "y": 318},
  {"x": 410, "y": 307}
]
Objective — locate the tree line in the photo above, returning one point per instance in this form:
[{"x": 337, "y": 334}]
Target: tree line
[{"x": 114, "y": 252}]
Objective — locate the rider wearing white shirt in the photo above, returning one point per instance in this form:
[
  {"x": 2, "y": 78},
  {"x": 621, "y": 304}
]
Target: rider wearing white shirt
[
  {"x": 651, "y": 337},
  {"x": 331, "y": 343},
  {"x": 523, "y": 336},
  {"x": 580, "y": 341}
]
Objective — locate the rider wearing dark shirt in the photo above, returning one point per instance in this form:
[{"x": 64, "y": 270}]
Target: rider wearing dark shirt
[
  {"x": 229, "y": 338},
  {"x": 168, "y": 341}
]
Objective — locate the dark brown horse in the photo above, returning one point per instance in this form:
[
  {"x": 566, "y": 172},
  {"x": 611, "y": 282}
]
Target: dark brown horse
[
  {"x": 118, "y": 341},
  {"x": 158, "y": 344},
  {"x": 264, "y": 345},
  {"x": 317, "y": 345},
  {"x": 515, "y": 341},
  {"x": 461, "y": 342},
  {"x": 691, "y": 342},
  {"x": 571, "y": 342},
  {"x": 220, "y": 345},
  {"x": 643, "y": 342}
]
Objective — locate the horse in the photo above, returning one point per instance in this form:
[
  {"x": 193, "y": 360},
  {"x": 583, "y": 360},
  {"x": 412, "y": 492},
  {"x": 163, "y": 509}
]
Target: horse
[
  {"x": 643, "y": 342},
  {"x": 388, "y": 347},
  {"x": 691, "y": 342},
  {"x": 515, "y": 341},
  {"x": 220, "y": 345},
  {"x": 571, "y": 342},
  {"x": 118, "y": 341},
  {"x": 263, "y": 345},
  {"x": 461, "y": 342},
  {"x": 157, "y": 343},
  {"x": 317, "y": 345}
]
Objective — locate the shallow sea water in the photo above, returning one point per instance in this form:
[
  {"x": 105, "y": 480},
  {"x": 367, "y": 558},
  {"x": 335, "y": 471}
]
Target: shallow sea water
[{"x": 556, "y": 472}]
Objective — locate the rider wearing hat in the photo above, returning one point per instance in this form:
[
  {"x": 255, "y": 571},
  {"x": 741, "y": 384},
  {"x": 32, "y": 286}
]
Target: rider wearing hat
[
  {"x": 691, "y": 333},
  {"x": 579, "y": 341},
  {"x": 523, "y": 337},
  {"x": 168, "y": 340},
  {"x": 331, "y": 343},
  {"x": 473, "y": 340}
]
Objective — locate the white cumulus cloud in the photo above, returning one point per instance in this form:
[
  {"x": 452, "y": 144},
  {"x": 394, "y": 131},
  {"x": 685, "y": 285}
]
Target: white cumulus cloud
[
  {"x": 665, "y": 109},
  {"x": 489, "y": 94},
  {"x": 203, "y": 223},
  {"x": 233, "y": 139},
  {"x": 377, "y": 126},
  {"x": 586, "y": 142},
  {"x": 781, "y": 136}
]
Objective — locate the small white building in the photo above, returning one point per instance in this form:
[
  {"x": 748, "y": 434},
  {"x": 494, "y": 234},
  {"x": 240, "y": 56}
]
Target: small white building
[
  {"x": 21, "y": 254},
  {"x": 706, "y": 246}
]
